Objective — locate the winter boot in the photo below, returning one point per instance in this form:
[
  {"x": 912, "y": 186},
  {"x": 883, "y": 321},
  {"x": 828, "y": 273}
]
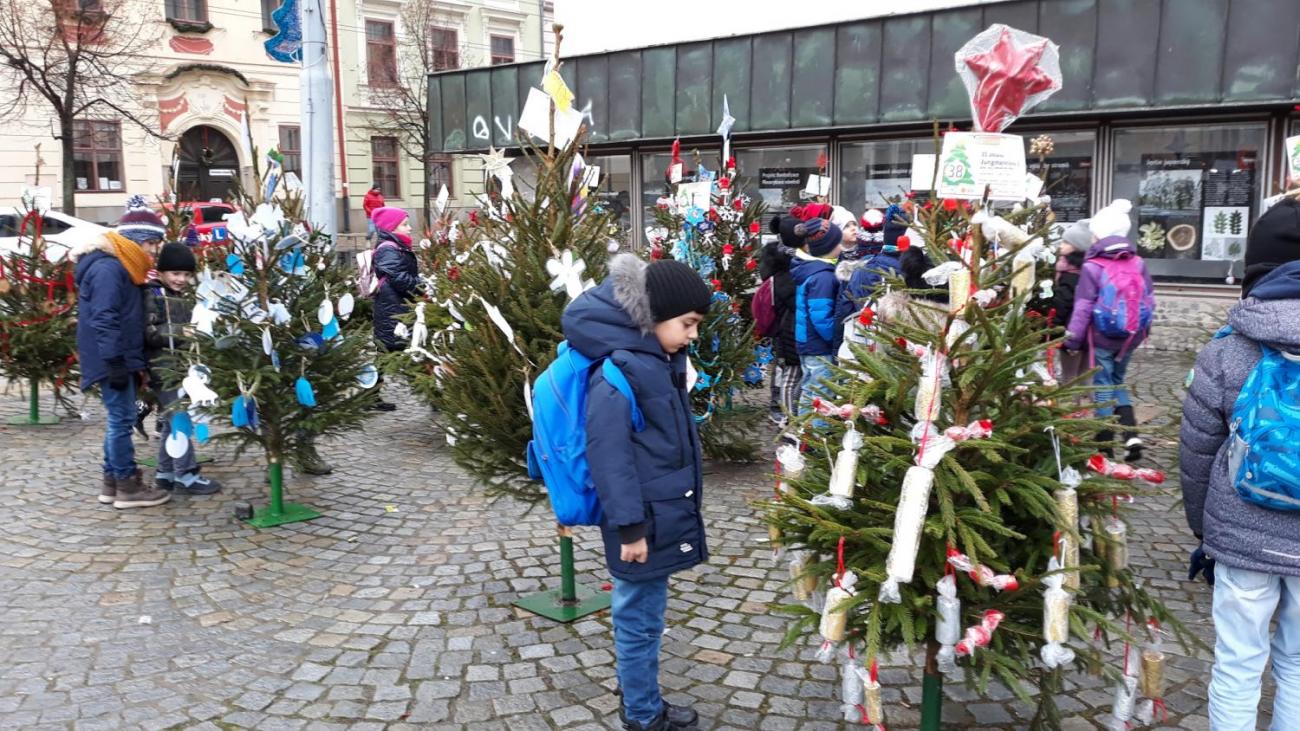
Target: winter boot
[
  {"x": 312, "y": 464},
  {"x": 108, "y": 493},
  {"x": 382, "y": 405},
  {"x": 132, "y": 493},
  {"x": 679, "y": 717},
  {"x": 662, "y": 723},
  {"x": 1107, "y": 439},
  {"x": 1132, "y": 442}
]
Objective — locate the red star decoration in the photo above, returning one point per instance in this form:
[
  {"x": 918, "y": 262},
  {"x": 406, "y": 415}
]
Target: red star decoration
[{"x": 1008, "y": 75}]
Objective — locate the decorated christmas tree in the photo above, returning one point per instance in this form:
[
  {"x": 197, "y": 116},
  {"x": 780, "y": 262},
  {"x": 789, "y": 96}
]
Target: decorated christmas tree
[
  {"x": 517, "y": 263},
  {"x": 38, "y": 324},
  {"x": 276, "y": 354},
  {"x": 951, "y": 495},
  {"x": 703, "y": 222}
]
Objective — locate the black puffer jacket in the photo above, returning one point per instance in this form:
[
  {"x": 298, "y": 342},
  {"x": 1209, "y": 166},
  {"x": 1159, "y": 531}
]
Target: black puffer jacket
[
  {"x": 399, "y": 279},
  {"x": 775, "y": 262}
]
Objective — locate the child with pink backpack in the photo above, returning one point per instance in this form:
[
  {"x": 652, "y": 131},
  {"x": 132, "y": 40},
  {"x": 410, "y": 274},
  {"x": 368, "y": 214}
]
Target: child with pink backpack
[{"x": 1113, "y": 308}]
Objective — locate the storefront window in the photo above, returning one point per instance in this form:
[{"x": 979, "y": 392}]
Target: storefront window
[
  {"x": 615, "y": 185},
  {"x": 779, "y": 175},
  {"x": 1195, "y": 193},
  {"x": 1068, "y": 174},
  {"x": 875, "y": 174}
]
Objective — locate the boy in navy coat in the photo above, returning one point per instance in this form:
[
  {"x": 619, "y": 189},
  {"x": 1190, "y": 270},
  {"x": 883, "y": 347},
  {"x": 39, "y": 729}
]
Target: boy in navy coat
[{"x": 643, "y": 317}]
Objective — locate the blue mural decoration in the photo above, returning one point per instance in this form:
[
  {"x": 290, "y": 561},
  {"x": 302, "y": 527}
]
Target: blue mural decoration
[{"x": 286, "y": 45}]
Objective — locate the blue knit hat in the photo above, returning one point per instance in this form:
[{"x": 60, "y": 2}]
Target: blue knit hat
[
  {"x": 820, "y": 236},
  {"x": 139, "y": 223},
  {"x": 893, "y": 229}
]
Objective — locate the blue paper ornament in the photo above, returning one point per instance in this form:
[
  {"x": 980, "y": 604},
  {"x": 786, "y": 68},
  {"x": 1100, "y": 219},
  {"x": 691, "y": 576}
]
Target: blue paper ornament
[
  {"x": 243, "y": 413},
  {"x": 294, "y": 262},
  {"x": 331, "y": 329},
  {"x": 234, "y": 264},
  {"x": 763, "y": 354},
  {"x": 201, "y": 432},
  {"x": 368, "y": 376},
  {"x": 753, "y": 375},
  {"x": 286, "y": 45},
  {"x": 310, "y": 341},
  {"x": 306, "y": 396},
  {"x": 705, "y": 226},
  {"x": 181, "y": 423},
  {"x": 703, "y": 381},
  {"x": 694, "y": 215}
]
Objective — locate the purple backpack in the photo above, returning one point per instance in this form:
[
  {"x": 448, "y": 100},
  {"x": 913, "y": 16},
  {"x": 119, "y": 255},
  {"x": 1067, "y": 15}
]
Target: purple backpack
[{"x": 1125, "y": 303}]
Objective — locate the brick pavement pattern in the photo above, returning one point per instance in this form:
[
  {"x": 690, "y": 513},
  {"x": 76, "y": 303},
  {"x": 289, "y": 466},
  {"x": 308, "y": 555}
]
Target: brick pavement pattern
[{"x": 393, "y": 610}]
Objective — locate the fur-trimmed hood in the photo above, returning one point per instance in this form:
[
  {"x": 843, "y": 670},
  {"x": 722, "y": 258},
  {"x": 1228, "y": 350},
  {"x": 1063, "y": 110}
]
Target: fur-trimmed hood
[
  {"x": 615, "y": 315},
  {"x": 98, "y": 243}
]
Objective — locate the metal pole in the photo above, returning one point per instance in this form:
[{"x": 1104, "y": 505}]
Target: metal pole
[
  {"x": 277, "y": 488},
  {"x": 568, "y": 578},
  {"x": 317, "y": 95},
  {"x": 931, "y": 689},
  {"x": 34, "y": 403}
]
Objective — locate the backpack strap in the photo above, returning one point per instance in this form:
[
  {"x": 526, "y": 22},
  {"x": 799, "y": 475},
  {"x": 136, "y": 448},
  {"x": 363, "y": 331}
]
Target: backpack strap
[{"x": 614, "y": 377}]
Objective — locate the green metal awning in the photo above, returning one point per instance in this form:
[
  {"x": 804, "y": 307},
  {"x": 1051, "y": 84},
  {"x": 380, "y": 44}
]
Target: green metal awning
[{"x": 1116, "y": 56}]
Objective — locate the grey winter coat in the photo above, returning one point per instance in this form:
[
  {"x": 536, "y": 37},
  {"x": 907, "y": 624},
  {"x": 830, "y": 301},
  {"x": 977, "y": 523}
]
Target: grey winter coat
[{"x": 1237, "y": 532}]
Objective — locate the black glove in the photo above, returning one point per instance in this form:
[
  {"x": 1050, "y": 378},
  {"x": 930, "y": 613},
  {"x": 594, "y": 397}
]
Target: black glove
[
  {"x": 1201, "y": 563},
  {"x": 118, "y": 376}
]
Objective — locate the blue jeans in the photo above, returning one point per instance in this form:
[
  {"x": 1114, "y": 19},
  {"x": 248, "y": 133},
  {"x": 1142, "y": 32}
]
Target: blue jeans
[
  {"x": 1244, "y": 603},
  {"x": 1110, "y": 381},
  {"x": 370, "y": 228},
  {"x": 119, "y": 450},
  {"x": 638, "y": 611},
  {"x": 816, "y": 368}
]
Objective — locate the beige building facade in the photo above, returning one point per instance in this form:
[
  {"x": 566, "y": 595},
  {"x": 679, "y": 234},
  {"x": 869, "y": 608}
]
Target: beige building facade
[{"x": 210, "y": 72}]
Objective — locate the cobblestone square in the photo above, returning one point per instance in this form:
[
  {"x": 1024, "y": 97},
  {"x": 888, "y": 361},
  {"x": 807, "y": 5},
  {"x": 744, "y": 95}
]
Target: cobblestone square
[{"x": 394, "y": 609}]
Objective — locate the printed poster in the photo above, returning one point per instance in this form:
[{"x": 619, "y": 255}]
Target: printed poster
[
  {"x": 780, "y": 188},
  {"x": 973, "y": 161},
  {"x": 1195, "y": 206}
]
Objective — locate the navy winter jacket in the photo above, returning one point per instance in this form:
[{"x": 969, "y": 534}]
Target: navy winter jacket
[
  {"x": 862, "y": 283},
  {"x": 1236, "y": 532},
  {"x": 110, "y": 314},
  {"x": 398, "y": 272},
  {"x": 775, "y": 263},
  {"x": 650, "y": 483},
  {"x": 815, "y": 330}
]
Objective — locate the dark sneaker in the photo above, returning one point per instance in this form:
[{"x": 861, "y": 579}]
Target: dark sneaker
[
  {"x": 132, "y": 493},
  {"x": 382, "y": 405},
  {"x": 200, "y": 485},
  {"x": 164, "y": 481},
  {"x": 314, "y": 465},
  {"x": 677, "y": 717},
  {"x": 1133, "y": 450},
  {"x": 108, "y": 492}
]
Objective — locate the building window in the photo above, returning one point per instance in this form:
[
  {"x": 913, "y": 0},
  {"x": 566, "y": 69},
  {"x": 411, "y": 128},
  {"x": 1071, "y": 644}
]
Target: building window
[
  {"x": 779, "y": 175},
  {"x": 188, "y": 11},
  {"x": 1195, "y": 192},
  {"x": 654, "y": 176},
  {"x": 381, "y": 53},
  {"x": 268, "y": 7},
  {"x": 383, "y": 158},
  {"x": 440, "y": 174},
  {"x": 291, "y": 148},
  {"x": 503, "y": 49},
  {"x": 97, "y": 155},
  {"x": 444, "y": 49}
]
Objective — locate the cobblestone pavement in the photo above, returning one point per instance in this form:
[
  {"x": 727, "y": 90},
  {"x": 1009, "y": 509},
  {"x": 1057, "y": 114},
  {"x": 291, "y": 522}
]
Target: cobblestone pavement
[{"x": 394, "y": 609}]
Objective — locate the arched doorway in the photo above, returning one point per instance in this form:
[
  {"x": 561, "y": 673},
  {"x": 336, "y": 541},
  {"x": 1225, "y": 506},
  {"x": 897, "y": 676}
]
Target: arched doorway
[{"x": 209, "y": 165}]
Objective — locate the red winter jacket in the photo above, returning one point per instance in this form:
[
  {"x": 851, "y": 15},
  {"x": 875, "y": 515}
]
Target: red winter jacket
[{"x": 374, "y": 199}]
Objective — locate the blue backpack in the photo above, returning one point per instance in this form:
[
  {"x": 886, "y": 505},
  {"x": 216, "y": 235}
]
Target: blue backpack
[
  {"x": 557, "y": 454},
  {"x": 1263, "y": 463}
]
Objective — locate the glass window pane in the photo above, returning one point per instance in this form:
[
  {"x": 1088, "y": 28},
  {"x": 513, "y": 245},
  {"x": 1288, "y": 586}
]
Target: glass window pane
[
  {"x": 84, "y": 171},
  {"x": 778, "y": 175},
  {"x": 654, "y": 176},
  {"x": 110, "y": 169},
  {"x": 378, "y": 31},
  {"x": 1195, "y": 193},
  {"x": 872, "y": 174},
  {"x": 1069, "y": 175},
  {"x": 616, "y": 190}
]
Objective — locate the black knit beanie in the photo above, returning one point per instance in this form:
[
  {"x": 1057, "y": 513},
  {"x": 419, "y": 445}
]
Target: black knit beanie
[
  {"x": 1274, "y": 241},
  {"x": 176, "y": 258},
  {"x": 675, "y": 289}
]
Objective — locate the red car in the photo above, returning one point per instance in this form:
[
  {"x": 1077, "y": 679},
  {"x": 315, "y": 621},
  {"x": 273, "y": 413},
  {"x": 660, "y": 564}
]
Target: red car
[{"x": 209, "y": 218}]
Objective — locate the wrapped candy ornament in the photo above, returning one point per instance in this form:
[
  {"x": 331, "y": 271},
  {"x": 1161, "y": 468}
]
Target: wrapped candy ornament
[
  {"x": 1101, "y": 465},
  {"x": 1151, "y": 680},
  {"x": 844, "y": 472},
  {"x": 1122, "y": 707},
  {"x": 1116, "y": 550},
  {"x": 979, "y": 635},
  {"x": 850, "y": 688},
  {"x": 835, "y": 615},
  {"x": 981, "y": 574},
  {"x": 1067, "y": 504},
  {"x": 947, "y": 630},
  {"x": 1056, "y": 618},
  {"x": 929, "y": 389},
  {"x": 805, "y": 583},
  {"x": 959, "y": 289},
  {"x": 909, "y": 519},
  {"x": 873, "y": 702},
  {"x": 1007, "y": 72}
]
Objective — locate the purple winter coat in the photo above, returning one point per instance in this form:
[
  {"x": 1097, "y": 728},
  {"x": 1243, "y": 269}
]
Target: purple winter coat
[{"x": 1077, "y": 332}]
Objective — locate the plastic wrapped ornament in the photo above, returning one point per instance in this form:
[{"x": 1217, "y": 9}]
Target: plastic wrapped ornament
[
  {"x": 1056, "y": 618},
  {"x": 844, "y": 473},
  {"x": 873, "y": 702},
  {"x": 929, "y": 389},
  {"x": 1067, "y": 504},
  {"x": 909, "y": 519},
  {"x": 1122, "y": 707},
  {"x": 947, "y": 630},
  {"x": 805, "y": 582},
  {"x": 835, "y": 615},
  {"x": 979, "y": 635},
  {"x": 959, "y": 289},
  {"x": 850, "y": 688},
  {"x": 1116, "y": 548},
  {"x": 1151, "y": 681}
]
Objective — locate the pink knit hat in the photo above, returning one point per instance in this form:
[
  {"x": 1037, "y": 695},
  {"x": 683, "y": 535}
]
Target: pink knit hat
[{"x": 388, "y": 218}]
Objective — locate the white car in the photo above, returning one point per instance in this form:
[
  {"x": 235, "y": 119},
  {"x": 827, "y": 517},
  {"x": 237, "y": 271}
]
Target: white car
[{"x": 62, "y": 232}]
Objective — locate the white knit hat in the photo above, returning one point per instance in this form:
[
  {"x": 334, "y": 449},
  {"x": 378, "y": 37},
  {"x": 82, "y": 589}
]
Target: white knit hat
[
  {"x": 840, "y": 216},
  {"x": 1113, "y": 220}
]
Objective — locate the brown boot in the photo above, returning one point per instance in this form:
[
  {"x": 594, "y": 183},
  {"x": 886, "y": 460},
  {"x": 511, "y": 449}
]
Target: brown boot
[
  {"x": 108, "y": 493},
  {"x": 133, "y": 493}
]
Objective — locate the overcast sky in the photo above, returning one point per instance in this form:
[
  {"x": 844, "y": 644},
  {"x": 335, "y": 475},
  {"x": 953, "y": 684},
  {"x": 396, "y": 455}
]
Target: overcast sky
[{"x": 591, "y": 26}]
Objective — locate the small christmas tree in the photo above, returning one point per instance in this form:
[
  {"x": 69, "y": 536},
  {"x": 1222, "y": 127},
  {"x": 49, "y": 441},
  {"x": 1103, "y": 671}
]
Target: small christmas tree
[
  {"x": 703, "y": 223},
  {"x": 943, "y": 476},
  {"x": 38, "y": 322},
  {"x": 277, "y": 354}
]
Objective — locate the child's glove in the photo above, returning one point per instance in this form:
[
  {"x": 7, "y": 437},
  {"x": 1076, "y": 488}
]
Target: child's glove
[
  {"x": 118, "y": 376},
  {"x": 1201, "y": 563}
]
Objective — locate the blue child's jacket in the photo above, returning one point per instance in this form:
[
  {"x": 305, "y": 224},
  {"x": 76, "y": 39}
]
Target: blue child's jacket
[{"x": 649, "y": 482}]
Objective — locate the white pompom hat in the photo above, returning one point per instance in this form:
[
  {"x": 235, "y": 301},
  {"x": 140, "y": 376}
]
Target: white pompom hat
[{"x": 1113, "y": 220}]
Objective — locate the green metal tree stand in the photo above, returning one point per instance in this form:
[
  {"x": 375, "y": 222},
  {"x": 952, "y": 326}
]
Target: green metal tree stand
[
  {"x": 931, "y": 689},
  {"x": 570, "y": 601},
  {"x": 279, "y": 512},
  {"x": 34, "y": 417}
]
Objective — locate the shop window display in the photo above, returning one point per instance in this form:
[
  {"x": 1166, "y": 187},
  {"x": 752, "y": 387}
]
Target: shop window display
[
  {"x": 1195, "y": 193},
  {"x": 779, "y": 175}
]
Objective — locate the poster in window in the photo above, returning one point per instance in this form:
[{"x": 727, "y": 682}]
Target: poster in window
[
  {"x": 1195, "y": 206},
  {"x": 780, "y": 188},
  {"x": 887, "y": 182},
  {"x": 1069, "y": 181}
]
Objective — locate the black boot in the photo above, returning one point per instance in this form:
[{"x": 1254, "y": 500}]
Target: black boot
[
  {"x": 1132, "y": 442},
  {"x": 1107, "y": 439},
  {"x": 681, "y": 718}
]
